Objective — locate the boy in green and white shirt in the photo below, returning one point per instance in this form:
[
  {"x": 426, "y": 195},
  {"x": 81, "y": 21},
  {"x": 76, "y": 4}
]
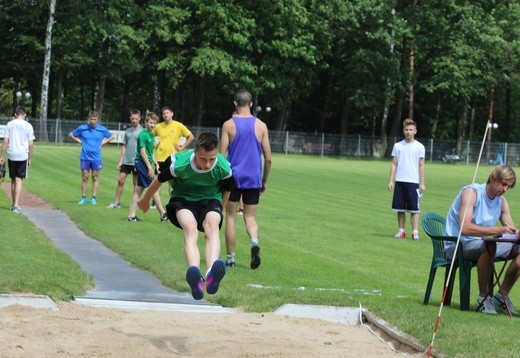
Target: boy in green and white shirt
[
  {"x": 198, "y": 177},
  {"x": 144, "y": 164}
]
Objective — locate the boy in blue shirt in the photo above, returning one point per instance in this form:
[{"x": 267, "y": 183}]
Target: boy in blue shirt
[{"x": 92, "y": 136}]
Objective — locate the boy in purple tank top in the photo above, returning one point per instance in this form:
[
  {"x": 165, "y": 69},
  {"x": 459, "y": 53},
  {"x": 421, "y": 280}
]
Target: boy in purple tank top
[{"x": 244, "y": 140}]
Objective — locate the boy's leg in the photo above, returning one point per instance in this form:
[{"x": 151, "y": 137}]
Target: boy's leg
[
  {"x": 218, "y": 267},
  {"x": 138, "y": 191},
  {"x": 95, "y": 182},
  {"x": 120, "y": 186},
  {"x": 211, "y": 230},
  {"x": 189, "y": 227},
  {"x": 231, "y": 217},
  {"x": 84, "y": 182}
]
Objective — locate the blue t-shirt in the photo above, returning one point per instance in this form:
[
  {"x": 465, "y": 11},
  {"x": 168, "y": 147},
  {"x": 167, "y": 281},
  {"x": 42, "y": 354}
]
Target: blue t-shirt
[{"x": 91, "y": 139}]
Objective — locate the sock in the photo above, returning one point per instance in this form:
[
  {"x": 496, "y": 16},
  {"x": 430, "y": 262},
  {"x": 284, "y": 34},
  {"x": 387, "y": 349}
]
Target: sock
[
  {"x": 401, "y": 229},
  {"x": 93, "y": 197},
  {"x": 254, "y": 241},
  {"x": 415, "y": 231}
]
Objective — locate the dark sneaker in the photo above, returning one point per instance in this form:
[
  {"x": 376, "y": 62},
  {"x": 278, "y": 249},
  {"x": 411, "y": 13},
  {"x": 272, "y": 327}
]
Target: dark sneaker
[
  {"x": 215, "y": 275},
  {"x": 194, "y": 279},
  {"x": 255, "y": 257},
  {"x": 133, "y": 218},
  {"x": 164, "y": 217}
]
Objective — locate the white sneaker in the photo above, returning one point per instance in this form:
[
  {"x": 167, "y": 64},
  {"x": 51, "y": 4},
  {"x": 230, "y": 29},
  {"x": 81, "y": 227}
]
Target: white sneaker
[
  {"x": 114, "y": 206},
  {"x": 400, "y": 235},
  {"x": 499, "y": 302},
  {"x": 485, "y": 305}
]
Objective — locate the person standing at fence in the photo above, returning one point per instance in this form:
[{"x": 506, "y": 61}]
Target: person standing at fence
[
  {"x": 126, "y": 164},
  {"x": 18, "y": 143},
  {"x": 92, "y": 136},
  {"x": 408, "y": 171},
  {"x": 244, "y": 139}
]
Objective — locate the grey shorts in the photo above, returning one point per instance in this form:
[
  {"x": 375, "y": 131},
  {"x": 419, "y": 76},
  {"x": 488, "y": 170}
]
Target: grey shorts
[{"x": 472, "y": 249}]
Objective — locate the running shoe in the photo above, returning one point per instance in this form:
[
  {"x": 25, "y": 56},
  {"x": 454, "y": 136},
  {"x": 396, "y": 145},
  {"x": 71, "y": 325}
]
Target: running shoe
[
  {"x": 164, "y": 217},
  {"x": 230, "y": 263},
  {"x": 400, "y": 235},
  {"x": 415, "y": 237},
  {"x": 93, "y": 201},
  {"x": 114, "y": 205},
  {"x": 255, "y": 257},
  {"x": 133, "y": 218},
  {"x": 16, "y": 209},
  {"x": 82, "y": 201},
  {"x": 240, "y": 211},
  {"x": 485, "y": 305},
  {"x": 499, "y": 302},
  {"x": 194, "y": 279},
  {"x": 215, "y": 275}
]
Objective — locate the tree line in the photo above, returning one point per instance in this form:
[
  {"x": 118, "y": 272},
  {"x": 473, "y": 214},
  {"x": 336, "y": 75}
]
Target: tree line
[{"x": 349, "y": 67}]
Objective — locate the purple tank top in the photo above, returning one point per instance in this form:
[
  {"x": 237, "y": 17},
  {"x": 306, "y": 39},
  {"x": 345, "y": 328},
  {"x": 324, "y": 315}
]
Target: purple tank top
[{"x": 244, "y": 154}]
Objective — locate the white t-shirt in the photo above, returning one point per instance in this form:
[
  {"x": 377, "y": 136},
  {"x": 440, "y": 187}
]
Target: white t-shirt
[
  {"x": 408, "y": 156},
  {"x": 20, "y": 133}
]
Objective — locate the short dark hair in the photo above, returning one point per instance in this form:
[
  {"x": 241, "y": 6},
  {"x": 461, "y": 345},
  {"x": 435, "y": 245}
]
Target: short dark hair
[
  {"x": 207, "y": 141},
  {"x": 135, "y": 111},
  {"x": 166, "y": 108},
  {"x": 20, "y": 110},
  {"x": 243, "y": 98}
]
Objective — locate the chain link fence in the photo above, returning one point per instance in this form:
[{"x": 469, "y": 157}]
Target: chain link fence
[{"x": 319, "y": 144}]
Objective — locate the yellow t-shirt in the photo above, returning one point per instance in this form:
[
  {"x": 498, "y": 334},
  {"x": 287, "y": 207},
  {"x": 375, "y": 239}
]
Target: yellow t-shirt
[{"x": 169, "y": 134}]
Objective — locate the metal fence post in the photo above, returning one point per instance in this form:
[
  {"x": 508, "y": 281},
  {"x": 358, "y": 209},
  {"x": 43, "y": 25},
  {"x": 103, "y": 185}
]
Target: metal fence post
[
  {"x": 467, "y": 152},
  {"x": 431, "y": 149},
  {"x": 322, "y": 142},
  {"x": 286, "y": 142}
]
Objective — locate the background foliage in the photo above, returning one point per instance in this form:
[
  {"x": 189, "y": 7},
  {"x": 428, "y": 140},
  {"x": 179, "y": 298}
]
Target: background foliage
[{"x": 357, "y": 67}]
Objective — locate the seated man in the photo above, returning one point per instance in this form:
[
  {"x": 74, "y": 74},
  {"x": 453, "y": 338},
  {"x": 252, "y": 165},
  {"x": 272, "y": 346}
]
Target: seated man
[{"x": 479, "y": 207}]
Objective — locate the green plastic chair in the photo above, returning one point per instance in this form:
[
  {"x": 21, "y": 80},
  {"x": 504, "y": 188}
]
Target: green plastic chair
[{"x": 434, "y": 224}]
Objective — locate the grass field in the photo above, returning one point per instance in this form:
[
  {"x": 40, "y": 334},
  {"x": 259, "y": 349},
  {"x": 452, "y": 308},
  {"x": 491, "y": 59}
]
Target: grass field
[{"x": 326, "y": 233}]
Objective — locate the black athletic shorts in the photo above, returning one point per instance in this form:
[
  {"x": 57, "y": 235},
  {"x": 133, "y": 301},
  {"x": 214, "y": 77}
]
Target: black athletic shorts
[{"x": 198, "y": 208}]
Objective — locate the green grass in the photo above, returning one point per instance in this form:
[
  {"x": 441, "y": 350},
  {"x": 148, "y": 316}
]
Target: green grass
[{"x": 326, "y": 232}]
